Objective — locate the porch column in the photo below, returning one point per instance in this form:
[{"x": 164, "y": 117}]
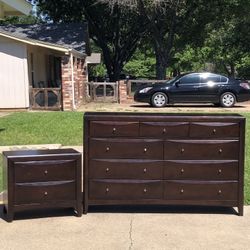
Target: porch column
[{"x": 67, "y": 88}]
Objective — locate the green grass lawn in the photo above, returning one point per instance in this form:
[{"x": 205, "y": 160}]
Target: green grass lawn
[{"x": 66, "y": 128}]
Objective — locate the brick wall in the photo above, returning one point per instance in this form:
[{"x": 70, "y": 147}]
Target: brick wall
[
  {"x": 123, "y": 95},
  {"x": 79, "y": 72}
]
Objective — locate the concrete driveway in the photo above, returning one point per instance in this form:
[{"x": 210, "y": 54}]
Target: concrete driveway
[
  {"x": 141, "y": 107},
  {"x": 129, "y": 228}
]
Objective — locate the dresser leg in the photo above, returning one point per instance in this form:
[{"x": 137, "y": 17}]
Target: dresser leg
[
  {"x": 240, "y": 210},
  {"x": 85, "y": 209}
]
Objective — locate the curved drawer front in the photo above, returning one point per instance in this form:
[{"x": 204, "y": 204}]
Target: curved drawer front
[
  {"x": 51, "y": 170},
  {"x": 201, "y": 150},
  {"x": 201, "y": 169},
  {"x": 42, "y": 192},
  {"x": 164, "y": 129},
  {"x": 113, "y": 128},
  {"x": 214, "y": 129},
  {"x": 190, "y": 190},
  {"x": 125, "y": 169},
  {"x": 125, "y": 148},
  {"x": 125, "y": 189}
]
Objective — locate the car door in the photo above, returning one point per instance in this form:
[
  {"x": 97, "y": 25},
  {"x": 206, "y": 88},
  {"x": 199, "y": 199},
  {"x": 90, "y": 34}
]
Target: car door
[
  {"x": 185, "y": 89},
  {"x": 208, "y": 90}
]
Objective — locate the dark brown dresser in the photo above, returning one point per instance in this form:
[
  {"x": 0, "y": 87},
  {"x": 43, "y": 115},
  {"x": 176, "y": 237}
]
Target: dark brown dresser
[
  {"x": 161, "y": 159},
  {"x": 42, "y": 179}
]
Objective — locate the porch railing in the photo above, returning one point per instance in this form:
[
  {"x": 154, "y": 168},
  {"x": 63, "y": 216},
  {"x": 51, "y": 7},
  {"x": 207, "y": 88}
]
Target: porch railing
[{"x": 46, "y": 98}]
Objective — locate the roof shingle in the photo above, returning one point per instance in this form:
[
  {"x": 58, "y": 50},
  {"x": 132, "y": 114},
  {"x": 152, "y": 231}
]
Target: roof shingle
[{"x": 70, "y": 36}]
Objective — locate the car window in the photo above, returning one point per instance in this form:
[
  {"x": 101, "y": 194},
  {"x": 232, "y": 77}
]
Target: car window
[
  {"x": 210, "y": 78},
  {"x": 223, "y": 79},
  {"x": 190, "y": 79}
]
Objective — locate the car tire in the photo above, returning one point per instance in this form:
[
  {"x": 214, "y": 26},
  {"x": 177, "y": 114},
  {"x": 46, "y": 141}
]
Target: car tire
[
  {"x": 227, "y": 99},
  {"x": 159, "y": 100}
]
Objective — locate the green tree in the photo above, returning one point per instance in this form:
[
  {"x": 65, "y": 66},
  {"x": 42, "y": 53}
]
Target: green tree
[{"x": 115, "y": 31}]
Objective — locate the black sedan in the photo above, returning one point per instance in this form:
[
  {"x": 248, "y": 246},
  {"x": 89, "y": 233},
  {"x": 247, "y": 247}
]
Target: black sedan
[{"x": 195, "y": 88}]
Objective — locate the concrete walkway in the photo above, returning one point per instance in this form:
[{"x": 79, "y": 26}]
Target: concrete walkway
[{"x": 176, "y": 228}]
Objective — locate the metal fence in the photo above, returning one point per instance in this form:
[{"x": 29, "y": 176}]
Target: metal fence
[{"x": 103, "y": 91}]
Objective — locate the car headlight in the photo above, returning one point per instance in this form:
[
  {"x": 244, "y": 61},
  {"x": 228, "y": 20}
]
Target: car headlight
[{"x": 145, "y": 90}]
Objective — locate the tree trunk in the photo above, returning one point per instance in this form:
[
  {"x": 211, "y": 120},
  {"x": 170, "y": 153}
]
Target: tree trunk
[{"x": 161, "y": 62}]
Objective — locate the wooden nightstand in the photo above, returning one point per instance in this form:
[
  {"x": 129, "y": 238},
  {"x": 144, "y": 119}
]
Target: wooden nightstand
[{"x": 42, "y": 179}]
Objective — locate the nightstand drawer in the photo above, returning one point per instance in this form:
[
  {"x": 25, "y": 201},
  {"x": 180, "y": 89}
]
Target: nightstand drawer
[
  {"x": 49, "y": 170},
  {"x": 201, "y": 169},
  {"x": 43, "y": 192},
  {"x": 125, "y": 189},
  {"x": 214, "y": 129},
  {"x": 201, "y": 149},
  {"x": 125, "y": 148},
  {"x": 113, "y": 128},
  {"x": 125, "y": 169},
  {"x": 202, "y": 190},
  {"x": 164, "y": 129}
]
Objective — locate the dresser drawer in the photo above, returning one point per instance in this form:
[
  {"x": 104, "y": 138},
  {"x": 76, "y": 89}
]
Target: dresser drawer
[
  {"x": 125, "y": 148},
  {"x": 201, "y": 169},
  {"x": 214, "y": 129},
  {"x": 164, "y": 129},
  {"x": 201, "y": 149},
  {"x": 125, "y": 169},
  {"x": 43, "y": 192},
  {"x": 125, "y": 189},
  {"x": 49, "y": 170},
  {"x": 113, "y": 128},
  {"x": 202, "y": 190}
]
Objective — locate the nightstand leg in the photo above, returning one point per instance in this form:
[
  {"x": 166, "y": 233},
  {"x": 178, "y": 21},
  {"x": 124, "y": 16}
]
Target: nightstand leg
[
  {"x": 8, "y": 215},
  {"x": 79, "y": 210}
]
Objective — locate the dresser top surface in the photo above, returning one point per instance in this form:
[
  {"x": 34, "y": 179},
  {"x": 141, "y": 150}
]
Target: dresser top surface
[{"x": 195, "y": 116}]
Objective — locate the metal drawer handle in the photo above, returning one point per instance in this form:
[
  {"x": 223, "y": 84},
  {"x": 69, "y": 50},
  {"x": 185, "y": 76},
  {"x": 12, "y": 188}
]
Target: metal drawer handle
[
  {"x": 214, "y": 131},
  {"x": 107, "y": 190},
  {"x": 145, "y": 190},
  {"x": 182, "y": 150},
  {"x": 114, "y": 130},
  {"x": 46, "y": 172},
  {"x": 182, "y": 191},
  {"x": 182, "y": 170},
  {"x": 164, "y": 131},
  {"x": 219, "y": 171},
  {"x": 220, "y": 150},
  {"x": 45, "y": 193},
  {"x": 219, "y": 192},
  {"x": 107, "y": 169},
  {"x": 107, "y": 149},
  {"x": 145, "y": 150},
  {"x": 144, "y": 170}
]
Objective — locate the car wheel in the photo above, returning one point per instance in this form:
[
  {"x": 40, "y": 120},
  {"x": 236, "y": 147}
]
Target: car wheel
[
  {"x": 159, "y": 100},
  {"x": 227, "y": 100}
]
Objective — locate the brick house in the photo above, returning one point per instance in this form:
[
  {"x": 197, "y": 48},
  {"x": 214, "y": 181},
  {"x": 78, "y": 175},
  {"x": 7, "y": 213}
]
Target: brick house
[{"x": 43, "y": 66}]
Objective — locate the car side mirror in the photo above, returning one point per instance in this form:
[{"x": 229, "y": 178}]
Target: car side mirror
[{"x": 177, "y": 84}]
